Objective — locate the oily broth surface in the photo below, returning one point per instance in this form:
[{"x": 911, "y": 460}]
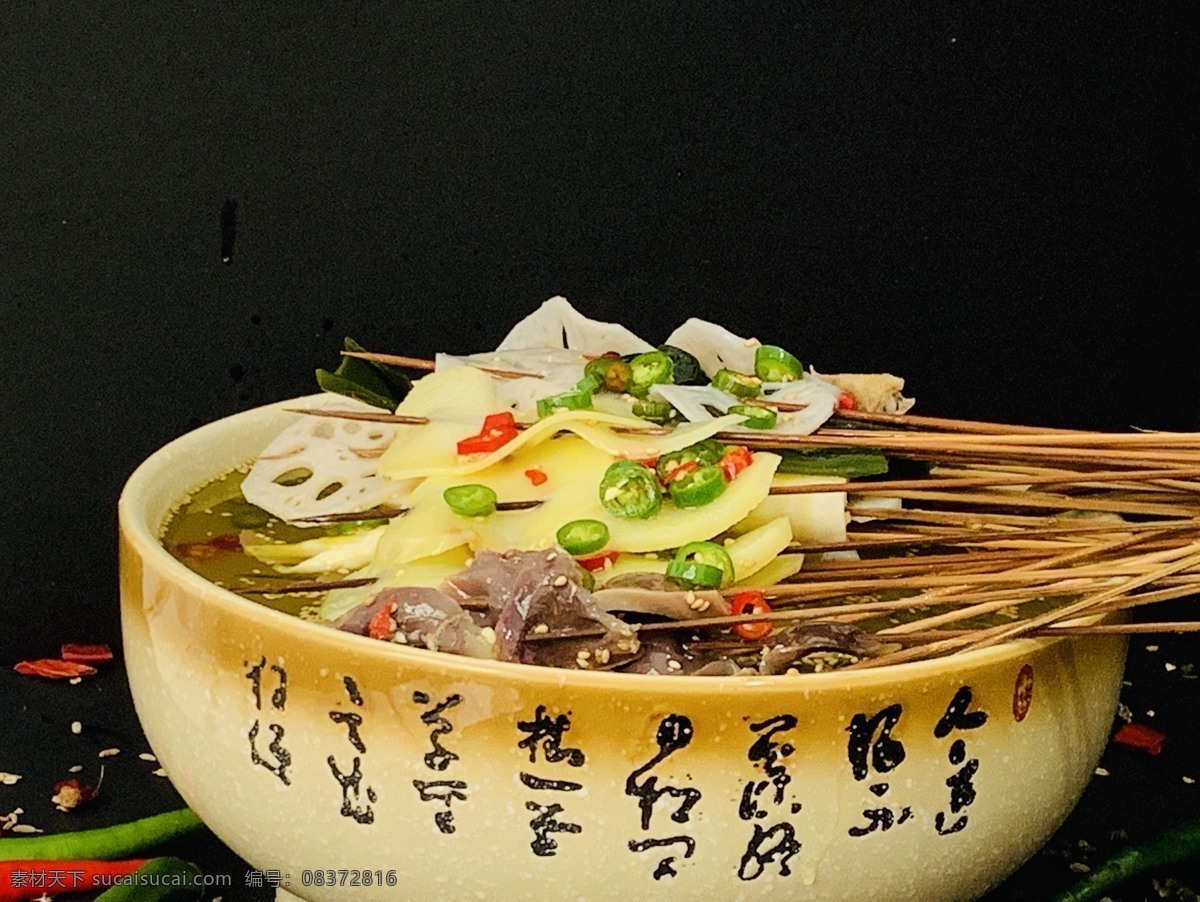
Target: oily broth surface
[
  {"x": 202, "y": 528},
  {"x": 217, "y": 511}
]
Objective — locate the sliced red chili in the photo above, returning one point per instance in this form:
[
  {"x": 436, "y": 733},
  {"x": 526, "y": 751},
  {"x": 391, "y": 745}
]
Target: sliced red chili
[
  {"x": 847, "y": 401},
  {"x": 598, "y": 562},
  {"x": 86, "y": 654},
  {"x": 736, "y": 460},
  {"x": 751, "y": 603},
  {"x": 536, "y": 475},
  {"x": 381, "y": 625},
  {"x": 53, "y": 669},
  {"x": 682, "y": 470},
  {"x": 498, "y": 430},
  {"x": 1140, "y": 737}
]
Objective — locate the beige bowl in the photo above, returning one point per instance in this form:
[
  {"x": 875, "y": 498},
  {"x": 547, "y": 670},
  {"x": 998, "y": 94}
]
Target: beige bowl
[{"x": 313, "y": 752}]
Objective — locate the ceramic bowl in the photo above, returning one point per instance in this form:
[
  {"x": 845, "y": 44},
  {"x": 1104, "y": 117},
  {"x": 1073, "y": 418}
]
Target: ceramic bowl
[{"x": 350, "y": 768}]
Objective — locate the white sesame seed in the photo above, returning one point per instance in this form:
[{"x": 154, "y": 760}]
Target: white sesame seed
[
  {"x": 584, "y": 654},
  {"x": 146, "y": 756},
  {"x": 25, "y": 828},
  {"x": 159, "y": 772},
  {"x": 541, "y": 628},
  {"x": 1149, "y": 713},
  {"x": 108, "y": 753},
  {"x": 75, "y": 681},
  {"x": 704, "y": 605},
  {"x": 8, "y": 779},
  {"x": 553, "y": 555},
  {"x": 560, "y": 580},
  {"x": 1151, "y": 648},
  {"x": 1189, "y": 780},
  {"x": 1169, "y": 667},
  {"x": 75, "y": 768},
  {"x": 674, "y": 665},
  {"x": 602, "y": 655},
  {"x": 76, "y": 727},
  {"x": 1101, "y": 772},
  {"x": 1079, "y": 867}
]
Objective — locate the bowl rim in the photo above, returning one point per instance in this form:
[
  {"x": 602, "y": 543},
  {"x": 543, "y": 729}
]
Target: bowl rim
[{"x": 142, "y": 536}]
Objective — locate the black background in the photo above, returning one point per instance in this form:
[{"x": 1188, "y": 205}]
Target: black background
[{"x": 997, "y": 201}]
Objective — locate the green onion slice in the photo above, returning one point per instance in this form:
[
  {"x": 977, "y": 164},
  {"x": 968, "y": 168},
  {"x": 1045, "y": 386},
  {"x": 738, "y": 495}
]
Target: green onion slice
[
  {"x": 773, "y": 364},
  {"x": 472, "y": 500},
  {"x": 582, "y": 536},
  {"x": 630, "y": 490}
]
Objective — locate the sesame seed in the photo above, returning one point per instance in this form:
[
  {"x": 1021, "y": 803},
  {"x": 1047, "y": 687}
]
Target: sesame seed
[
  {"x": 541, "y": 628},
  {"x": 704, "y": 605},
  {"x": 1101, "y": 772},
  {"x": 674, "y": 665},
  {"x": 146, "y": 756},
  {"x": 75, "y": 681},
  {"x": 25, "y": 828},
  {"x": 159, "y": 772},
  {"x": 584, "y": 653},
  {"x": 1169, "y": 667},
  {"x": 1149, "y": 713},
  {"x": 108, "y": 753},
  {"x": 1079, "y": 867},
  {"x": 1189, "y": 780},
  {"x": 76, "y": 727},
  {"x": 1151, "y": 648},
  {"x": 8, "y": 779},
  {"x": 560, "y": 580},
  {"x": 602, "y": 655},
  {"x": 74, "y": 769},
  {"x": 553, "y": 555}
]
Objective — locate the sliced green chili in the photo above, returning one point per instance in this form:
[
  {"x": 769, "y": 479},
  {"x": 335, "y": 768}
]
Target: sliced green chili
[
  {"x": 630, "y": 490},
  {"x": 471, "y": 500},
  {"x": 773, "y": 364},
  {"x": 656, "y": 411},
  {"x": 692, "y": 573},
  {"x": 709, "y": 554},
  {"x": 582, "y": 536},
  {"x": 699, "y": 487},
  {"x": 757, "y": 416},
  {"x": 651, "y": 368},
  {"x": 1171, "y": 847},
  {"x": 709, "y": 451},
  {"x": 737, "y": 384},
  {"x": 612, "y": 373}
]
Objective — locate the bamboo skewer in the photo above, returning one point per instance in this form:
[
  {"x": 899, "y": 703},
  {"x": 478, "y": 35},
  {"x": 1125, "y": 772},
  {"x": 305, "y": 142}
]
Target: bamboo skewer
[{"x": 417, "y": 363}]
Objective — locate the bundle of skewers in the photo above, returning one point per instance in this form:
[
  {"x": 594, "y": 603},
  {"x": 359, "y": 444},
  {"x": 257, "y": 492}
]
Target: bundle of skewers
[{"x": 1060, "y": 532}]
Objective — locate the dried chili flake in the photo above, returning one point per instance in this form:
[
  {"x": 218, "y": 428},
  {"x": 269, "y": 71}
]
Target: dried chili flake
[
  {"x": 1140, "y": 737},
  {"x": 536, "y": 475},
  {"x": 70, "y": 794},
  {"x": 53, "y": 668},
  {"x": 86, "y": 654}
]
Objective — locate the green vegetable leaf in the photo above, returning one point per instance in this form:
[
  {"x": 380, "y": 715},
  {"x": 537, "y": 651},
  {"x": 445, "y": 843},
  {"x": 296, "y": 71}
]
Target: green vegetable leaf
[{"x": 377, "y": 384}]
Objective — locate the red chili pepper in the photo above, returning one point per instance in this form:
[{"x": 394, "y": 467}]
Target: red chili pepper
[
  {"x": 751, "y": 603},
  {"x": 17, "y": 876},
  {"x": 381, "y": 626},
  {"x": 536, "y": 475},
  {"x": 498, "y": 430},
  {"x": 598, "y": 562},
  {"x": 736, "y": 460},
  {"x": 682, "y": 470},
  {"x": 53, "y": 669},
  {"x": 847, "y": 401},
  {"x": 228, "y": 542},
  {"x": 86, "y": 654},
  {"x": 1140, "y": 737}
]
